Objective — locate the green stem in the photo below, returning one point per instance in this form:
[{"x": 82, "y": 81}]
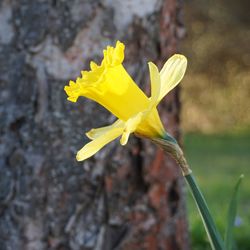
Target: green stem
[
  {"x": 212, "y": 232},
  {"x": 170, "y": 146}
]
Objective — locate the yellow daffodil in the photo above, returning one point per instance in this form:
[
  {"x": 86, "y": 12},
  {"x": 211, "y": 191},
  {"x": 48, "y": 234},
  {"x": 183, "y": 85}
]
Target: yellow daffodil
[{"x": 110, "y": 85}]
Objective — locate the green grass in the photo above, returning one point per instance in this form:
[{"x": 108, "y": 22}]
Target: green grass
[{"x": 217, "y": 162}]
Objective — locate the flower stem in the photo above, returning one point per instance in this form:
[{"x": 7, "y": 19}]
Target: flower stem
[
  {"x": 170, "y": 146},
  {"x": 212, "y": 232}
]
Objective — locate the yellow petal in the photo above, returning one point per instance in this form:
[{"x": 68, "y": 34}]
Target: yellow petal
[
  {"x": 93, "y": 65},
  {"x": 92, "y": 147},
  {"x": 73, "y": 91},
  {"x": 96, "y": 132},
  {"x": 172, "y": 73},
  {"x": 118, "y": 56},
  {"x": 151, "y": 125},
  {"x": 113, "y": 56},
  {"x": 130, "y": 126},
  {"x": 155, "y": 83}
]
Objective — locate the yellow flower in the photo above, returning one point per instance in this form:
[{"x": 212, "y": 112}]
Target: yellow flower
[{"x": 110, "y": 85}]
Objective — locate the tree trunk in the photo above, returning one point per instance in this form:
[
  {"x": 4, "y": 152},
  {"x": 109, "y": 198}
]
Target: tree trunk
[{"x": 122, "y": 198}]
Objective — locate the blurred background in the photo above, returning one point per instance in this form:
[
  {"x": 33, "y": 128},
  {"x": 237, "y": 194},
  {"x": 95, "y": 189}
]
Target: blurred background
[{"x": 216, "y": 109}]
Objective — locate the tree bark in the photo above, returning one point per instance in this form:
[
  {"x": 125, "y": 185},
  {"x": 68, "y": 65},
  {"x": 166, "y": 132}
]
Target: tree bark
[{"x": 122, "y": 198}]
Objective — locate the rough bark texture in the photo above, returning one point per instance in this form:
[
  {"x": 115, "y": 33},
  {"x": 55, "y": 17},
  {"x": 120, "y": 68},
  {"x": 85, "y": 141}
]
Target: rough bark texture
[{"x": 122, "y": 198}]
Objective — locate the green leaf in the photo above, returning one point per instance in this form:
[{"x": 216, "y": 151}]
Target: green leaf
[{"x": 232, "y": 210}]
